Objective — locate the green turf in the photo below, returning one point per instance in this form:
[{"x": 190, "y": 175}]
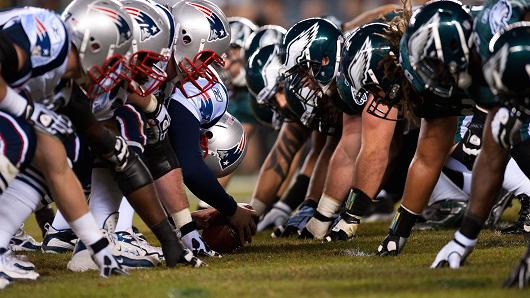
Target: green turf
[{"x": 294, "y": 268}]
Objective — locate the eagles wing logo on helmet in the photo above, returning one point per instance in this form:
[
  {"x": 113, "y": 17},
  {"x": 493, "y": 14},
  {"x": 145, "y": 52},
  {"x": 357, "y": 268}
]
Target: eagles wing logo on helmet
[
  {"x": 147, "y": 25},
  {"x": 423, "y": 38},
  {"x": 358, "y": 69},
  {"x": 123, "y": 28},
  {"x": 230, "y": 156},
  {"x": 297, "y": 47},
  {"x": 494, "y": 68},
  {"x": 499, "y": 15},
  {"x": 206, "y": 109},
  {"x": 43, "y": 40},
  {"x": 217, "y": 29}
]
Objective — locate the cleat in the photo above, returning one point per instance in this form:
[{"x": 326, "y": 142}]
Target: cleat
[
  {"x": 442, "y": 215},
  {"x": 22, "y": 241},
  {"x": 12, "y": 267},
  {"x": 140, "y": 242},
  {"x": 58, "y": 241},
  {"x": 522, "y": 225},
  {"x": 4, "y": 282}
]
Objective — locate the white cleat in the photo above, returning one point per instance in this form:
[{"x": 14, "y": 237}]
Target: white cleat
[
  {"x": 22, "y": 241},
  {"x": 12, "y": 267},
  {"x": 4, "y": 282}
]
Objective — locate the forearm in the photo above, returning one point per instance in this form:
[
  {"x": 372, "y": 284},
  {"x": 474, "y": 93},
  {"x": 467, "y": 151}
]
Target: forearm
[
  {"x": 318, "y": 178},
  {"x": 368, "y": 16}
]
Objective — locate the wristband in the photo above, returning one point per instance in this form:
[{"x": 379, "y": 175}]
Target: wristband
[{"x": 13, "y": 102}]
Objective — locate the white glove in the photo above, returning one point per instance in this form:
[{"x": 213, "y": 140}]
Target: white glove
[
  {"x": 189, "y": 259},
  {"x": 455, "y": 252},
  {"x": 505, "y": 128},
  {"x": 103, "y": 257},
  {"x": 317, "y": 227},
  {"x": 193, "y": 241},
  {"x": 344, "y": 229},
  {"x": 278, "y": 215},
  {"x": 48, "y": 121},
  {"x": 158, "y": 122}
]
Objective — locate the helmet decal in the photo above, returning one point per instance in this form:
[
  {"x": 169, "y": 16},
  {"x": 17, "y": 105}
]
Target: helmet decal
[
  {"x": 206, "y": 109},
  {"x": 299, "y": 45},
  {"x": 147, "y": 25},
  {"x": 499, "y": 15},
  {"x": 43, "y": 40},
  {"x": 217, "y": 29},
  {"x": 123, "y": 28},
  {"x": 358, "y": 69},
  {"x": 270, "y": 69},
  {"x": 424, "y": 38},
  {"x": 231, "y": 155}
]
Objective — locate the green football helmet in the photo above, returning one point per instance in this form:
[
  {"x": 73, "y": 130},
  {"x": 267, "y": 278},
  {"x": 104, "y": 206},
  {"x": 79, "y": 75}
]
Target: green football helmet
[
  {"x": 435, "y": 45},
  {"x": 312, "y": 55},
  {"x": 241, "y": 29},
  {"x": 265, "y": 35},
  {"x": 362, "y": 66},
  {"x": 263, "y": 113},
  {"x": 508, "y": 69}
]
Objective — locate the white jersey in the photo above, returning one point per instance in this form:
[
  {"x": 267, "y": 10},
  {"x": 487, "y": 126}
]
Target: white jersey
[
  {"x": 207, "y": 107},
  {"x": 43, "y": 35}
]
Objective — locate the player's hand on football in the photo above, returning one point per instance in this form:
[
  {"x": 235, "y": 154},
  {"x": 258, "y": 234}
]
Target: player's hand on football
[
  {"x": 244, "y": 222},
  {"x": 454, "y": 253},
  {"x": 278, "y": 215},
  {"x": 520, "y": 276},
  {"x": 205, "y": 217},
  {"x": 103, "y": 257}
]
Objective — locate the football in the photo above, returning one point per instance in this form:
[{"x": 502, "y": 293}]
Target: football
[{"x": 220, "y": 236}]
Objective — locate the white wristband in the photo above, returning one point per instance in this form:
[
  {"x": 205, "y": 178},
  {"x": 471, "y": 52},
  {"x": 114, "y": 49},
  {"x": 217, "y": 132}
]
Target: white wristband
[
  {"x": 328, "y": 206},
  {"x": 13, "y": 102},
  {"x": 258, "y": 205},
  {"x": 151, "y": 106},
  {"x": 182, "y": 217},
  {"x": 86, "y": 229}
]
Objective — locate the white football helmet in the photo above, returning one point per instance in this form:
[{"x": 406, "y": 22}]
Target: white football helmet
[
  {"x": 202, "y": 36},
  {"x": 226, "y": 145},
  {"x": 101, "y": 31},
  {"x": 150, "y": 51}
]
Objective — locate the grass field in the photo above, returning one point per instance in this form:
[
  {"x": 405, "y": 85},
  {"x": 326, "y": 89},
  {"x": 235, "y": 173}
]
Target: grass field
[{"x": 295, "y": 268}]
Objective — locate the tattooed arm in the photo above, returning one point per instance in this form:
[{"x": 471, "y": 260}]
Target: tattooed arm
[
  {"x": 368, "y": 16},
  {"x": 291, "y": 138}
]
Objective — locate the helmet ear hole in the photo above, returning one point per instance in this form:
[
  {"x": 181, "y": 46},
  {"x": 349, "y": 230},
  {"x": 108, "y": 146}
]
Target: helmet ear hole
[
  {"x": 186, "y": 39},
  {"x": 95, "y": 47}
]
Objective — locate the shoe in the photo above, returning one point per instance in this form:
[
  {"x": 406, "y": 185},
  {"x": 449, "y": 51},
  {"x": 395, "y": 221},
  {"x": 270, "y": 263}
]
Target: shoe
[
  {"x": 22, "y": 241},
  {"x": 442, "y": 215},
  {"x": 128, "y": 255},
  {"x": 502, "y": 204},
  {"x": 58, "y": 241},
  {"x": 139, "y": 241},
  {"x": 12, "y": 267},
  {"x": 522, "y": 224},
  {"x": 4, "y": 282}
]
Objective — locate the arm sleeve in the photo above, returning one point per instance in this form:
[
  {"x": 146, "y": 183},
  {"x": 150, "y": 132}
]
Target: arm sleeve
[{"x": 184, "y": 136}]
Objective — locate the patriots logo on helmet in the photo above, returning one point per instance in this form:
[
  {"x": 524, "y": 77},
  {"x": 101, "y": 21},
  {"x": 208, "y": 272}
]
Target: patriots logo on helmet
[
  {"x": 217, "y": 29},
  {"x": 148, "y": 27},
  {"x": 228, "y": 157},
  {"x": 43, "y": 44},
  {"x": 124, "y": 30},
  {"x": 206, "y": 109},
  {"x": 297, "y": 48}
]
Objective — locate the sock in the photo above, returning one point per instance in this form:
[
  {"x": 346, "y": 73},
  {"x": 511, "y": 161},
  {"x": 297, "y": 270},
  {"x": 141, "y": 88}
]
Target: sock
[
  {"x": 126, "y": 216},
  {"x": 403, "y": 222},
  {"x": 327, "y": 206},
  {"x": 297, "y": 192},
  {"x": 181, "y": 218},
  {"x": 106, "y": 196},
  {"x": 358, "y": 203},
  {"x": 86, "y": 229},
  {"x": 471, "y": 226},
  {"x": 16, "y": 203},
  {"x": 59, "y": 222},
  {"x": 258, "y": 205},
  {"x": 44, "y": 216},
  {"x": 171, "y": 247}
]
